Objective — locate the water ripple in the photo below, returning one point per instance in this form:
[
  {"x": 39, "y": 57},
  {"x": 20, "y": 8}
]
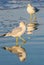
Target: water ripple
[{"x": 4, "y": 5}]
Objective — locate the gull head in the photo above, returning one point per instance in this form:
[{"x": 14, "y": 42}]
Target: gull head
[
  {"x": 29, "y": 5},
  {"x": 22, "y": 23},
  {"x": 30, "y": 9}
]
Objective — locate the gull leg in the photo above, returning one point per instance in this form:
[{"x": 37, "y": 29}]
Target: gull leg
[
  {"x": 16, "y": 41},
  {"x": 24, "y": 41},
  {"x": 30, "y": 17},
  {"x": 35, "y": 18}
]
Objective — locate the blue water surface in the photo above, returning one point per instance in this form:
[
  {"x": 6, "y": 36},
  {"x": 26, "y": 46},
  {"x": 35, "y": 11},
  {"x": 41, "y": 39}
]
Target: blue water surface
[{"x": 11, "y": 13}]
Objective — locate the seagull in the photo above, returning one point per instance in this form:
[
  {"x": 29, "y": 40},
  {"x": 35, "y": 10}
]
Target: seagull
[
  {"x": 17, "y": 32},
  {"x": 31, "y": 10}
]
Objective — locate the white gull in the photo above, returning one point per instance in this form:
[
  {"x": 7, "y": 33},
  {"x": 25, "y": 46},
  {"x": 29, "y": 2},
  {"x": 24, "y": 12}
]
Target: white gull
[{"x": 17, "y": 32}]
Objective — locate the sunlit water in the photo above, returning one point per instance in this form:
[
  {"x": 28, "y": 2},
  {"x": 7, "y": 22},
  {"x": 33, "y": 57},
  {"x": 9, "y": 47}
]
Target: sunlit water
[{"x": 11, "y": 13}]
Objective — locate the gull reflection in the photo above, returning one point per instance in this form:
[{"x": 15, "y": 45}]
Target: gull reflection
[
  {"x": 31, "y": 27},
  {"x": 19, "y": 51}
]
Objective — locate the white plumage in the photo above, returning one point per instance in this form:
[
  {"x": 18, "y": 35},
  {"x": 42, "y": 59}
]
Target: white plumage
[
  {"x": 17, "y": 32},
  {"x": 31, "y": 10}
]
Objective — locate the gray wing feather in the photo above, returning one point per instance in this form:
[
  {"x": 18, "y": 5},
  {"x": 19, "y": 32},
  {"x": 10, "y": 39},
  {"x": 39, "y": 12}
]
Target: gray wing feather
[{"x": 16, "y": 30}]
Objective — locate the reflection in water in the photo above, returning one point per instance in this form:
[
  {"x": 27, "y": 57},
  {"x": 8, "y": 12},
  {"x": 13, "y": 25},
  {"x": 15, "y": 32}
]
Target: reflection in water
[
  {"x": 19, "y": 51},
  {"x": 31, "y": 27}
]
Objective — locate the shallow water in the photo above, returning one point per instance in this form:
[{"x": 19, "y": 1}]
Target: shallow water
[{"x": 11, "y": 13}]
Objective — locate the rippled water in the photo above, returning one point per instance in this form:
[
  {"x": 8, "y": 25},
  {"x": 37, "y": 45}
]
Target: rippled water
[{"x": 11, "y": 13}]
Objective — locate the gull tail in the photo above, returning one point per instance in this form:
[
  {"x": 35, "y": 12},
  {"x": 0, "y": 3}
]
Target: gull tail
[
  {"x": 4, "y": 48},
  {"x": 36, "y": 10},
  {"x": 3, "y": 35}
]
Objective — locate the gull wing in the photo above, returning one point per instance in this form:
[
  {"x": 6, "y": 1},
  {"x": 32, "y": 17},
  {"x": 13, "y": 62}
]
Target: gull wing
[{"x": 16, "y": 30}]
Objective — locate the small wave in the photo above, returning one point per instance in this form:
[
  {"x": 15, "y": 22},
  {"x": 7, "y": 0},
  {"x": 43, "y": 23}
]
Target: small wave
[{"x": 11, "y": 5}]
